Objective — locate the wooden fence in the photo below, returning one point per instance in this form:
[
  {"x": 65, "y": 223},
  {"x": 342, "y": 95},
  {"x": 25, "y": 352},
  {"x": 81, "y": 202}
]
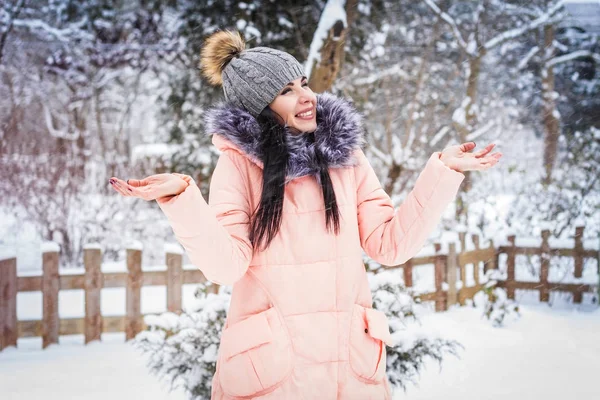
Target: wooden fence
[
  {"x": 448, "y": 269},
  {"x": 451, "y": 267},
  {"x": 91, "y": 281}
]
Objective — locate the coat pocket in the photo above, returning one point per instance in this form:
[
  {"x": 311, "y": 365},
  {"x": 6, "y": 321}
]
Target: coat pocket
[
  {"x": 255, "y": 355},
  {"x": 369, "y": 333}
]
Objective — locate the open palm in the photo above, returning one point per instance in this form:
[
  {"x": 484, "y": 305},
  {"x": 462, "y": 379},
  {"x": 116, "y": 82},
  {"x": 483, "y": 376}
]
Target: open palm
[
  {"x": 152, "y": 187},
  {"x": 458, "y": 157}
]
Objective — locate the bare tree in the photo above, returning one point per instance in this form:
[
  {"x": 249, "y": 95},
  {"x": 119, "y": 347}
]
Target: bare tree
[{"x": 327, "y": 48}]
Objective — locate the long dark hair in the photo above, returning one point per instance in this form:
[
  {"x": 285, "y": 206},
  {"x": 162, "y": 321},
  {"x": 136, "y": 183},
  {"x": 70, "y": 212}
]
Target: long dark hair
[{"x": 266, "y": 221}]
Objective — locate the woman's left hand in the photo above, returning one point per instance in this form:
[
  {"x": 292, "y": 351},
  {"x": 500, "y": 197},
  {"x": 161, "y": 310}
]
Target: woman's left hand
[{"x": 459, "y": 159}]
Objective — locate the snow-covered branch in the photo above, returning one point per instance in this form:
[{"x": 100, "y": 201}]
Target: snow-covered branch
[
  {"x": 481, "y": 131},
  {"x": 385, "y": 158},
  {"x": 55, "y": 132},
  {"x": 543, "y": 19},
  {"x": 573, "y": 56},
  {"x": 60, "y": 34},
  {"x": 523, "y": 63},
  {"x": 333, "y": 13},
  {"x": 450, "y": 21},
  {"x": 560, "y": 46},
  {"x": 439, "y": 135},
  {"x": 394, "y": 70},
  {"x": 517, "y": 10}
]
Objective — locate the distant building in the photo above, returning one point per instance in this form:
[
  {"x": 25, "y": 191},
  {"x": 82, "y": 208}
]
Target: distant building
[{"x": 583, "y": 14}]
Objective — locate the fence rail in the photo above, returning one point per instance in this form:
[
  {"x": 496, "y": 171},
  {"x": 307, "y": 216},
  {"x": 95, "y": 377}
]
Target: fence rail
[{"x": 449, "y": 268}]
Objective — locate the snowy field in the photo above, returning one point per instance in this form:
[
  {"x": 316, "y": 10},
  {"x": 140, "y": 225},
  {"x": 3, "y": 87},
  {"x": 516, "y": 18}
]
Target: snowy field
[{"x": 550, "y": 353}]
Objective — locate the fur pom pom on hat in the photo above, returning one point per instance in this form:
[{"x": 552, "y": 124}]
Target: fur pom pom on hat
[
  {"x": 251, "y": 78},
  {"x": 219, "y": 49}
]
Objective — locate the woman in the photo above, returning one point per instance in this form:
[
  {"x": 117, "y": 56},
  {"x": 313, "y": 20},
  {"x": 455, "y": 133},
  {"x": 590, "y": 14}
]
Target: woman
[{"x": 293, "y": 203}]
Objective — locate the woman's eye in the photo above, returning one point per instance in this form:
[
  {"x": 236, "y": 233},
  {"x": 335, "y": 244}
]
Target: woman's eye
[{"x": 286, "y": 91}]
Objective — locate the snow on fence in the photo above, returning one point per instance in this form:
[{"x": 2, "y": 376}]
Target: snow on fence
[
  {"x": 450, "y": 270},
  {"x": 92, "y": 280}
]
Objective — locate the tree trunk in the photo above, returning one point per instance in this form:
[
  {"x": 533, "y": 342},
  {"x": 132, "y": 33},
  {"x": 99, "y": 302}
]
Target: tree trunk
[
  {"x": 550, "y": 114},
  {"x": 325, "y": 71}
]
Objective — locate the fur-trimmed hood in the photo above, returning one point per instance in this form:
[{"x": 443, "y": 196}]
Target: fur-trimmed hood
[{"x": 339, "y": 133}]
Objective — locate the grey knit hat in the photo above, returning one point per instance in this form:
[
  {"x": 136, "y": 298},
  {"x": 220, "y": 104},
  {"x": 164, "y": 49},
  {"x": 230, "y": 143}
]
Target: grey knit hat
[{"x": 251, "y": 78}]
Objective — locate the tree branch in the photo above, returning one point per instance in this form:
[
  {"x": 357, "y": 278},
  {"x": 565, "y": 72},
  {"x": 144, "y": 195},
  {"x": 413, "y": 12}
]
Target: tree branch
[
  {"x": 450, "y": 21},
  {"x": 572, "y": 56},
  {"x": 543, "y": 19}
]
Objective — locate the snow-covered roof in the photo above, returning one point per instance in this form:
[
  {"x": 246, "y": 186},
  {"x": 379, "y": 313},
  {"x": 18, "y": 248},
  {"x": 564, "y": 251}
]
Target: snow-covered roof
[{"x": 584, "y": 14}]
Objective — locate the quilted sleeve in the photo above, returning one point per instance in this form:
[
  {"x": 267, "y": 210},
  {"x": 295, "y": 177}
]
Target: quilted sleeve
[
  {"x": 214, "y": 236},
  {"x": 393, "y": 236}
]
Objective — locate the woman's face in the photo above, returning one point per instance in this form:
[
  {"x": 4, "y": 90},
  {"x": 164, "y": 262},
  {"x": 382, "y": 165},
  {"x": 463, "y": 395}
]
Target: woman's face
[{"x": 296, "y": 105}]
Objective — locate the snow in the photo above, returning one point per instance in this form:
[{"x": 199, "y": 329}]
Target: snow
[
  {"x": 546, "y": 354},
  {"x": 50, "y": 247},
  {"x": 152, "y": 150},
  {"x": 93, "y": 246},
  {"x": 71, "y": 370},
  {"x": 334, "y": 11},
  {"x": 134, "y": 245},
  {"x": 394, "y": 70},
  {"x": 572, "y": 56},
  {"x": 7, "y": 254},
  {"x": 173, "y": 248},
  {"x": 439, "y": 135},
  {"x": 545, "y": 18},
  {"x": 523, "y": 63},
  {"x": 459, "y": 115},
  {"x": 450, "y": 21}
]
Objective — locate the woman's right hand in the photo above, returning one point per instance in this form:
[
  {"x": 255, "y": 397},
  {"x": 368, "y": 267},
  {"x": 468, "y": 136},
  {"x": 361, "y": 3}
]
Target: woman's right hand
[{"x": 152, "y": 187}]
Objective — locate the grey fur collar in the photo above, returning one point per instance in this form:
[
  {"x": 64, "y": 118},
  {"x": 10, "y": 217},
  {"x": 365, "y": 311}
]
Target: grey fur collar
[{"x": 339, "y": 132}]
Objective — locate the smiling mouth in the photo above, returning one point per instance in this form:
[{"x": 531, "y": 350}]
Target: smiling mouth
[{"x": 307, "y": 115}]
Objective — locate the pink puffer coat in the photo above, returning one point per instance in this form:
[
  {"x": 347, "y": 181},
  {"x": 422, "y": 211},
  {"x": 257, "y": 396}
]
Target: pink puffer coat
[{"x": 301, "y": 323}]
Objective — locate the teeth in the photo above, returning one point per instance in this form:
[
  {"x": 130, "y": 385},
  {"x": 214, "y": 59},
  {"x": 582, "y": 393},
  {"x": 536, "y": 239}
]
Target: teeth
[{"x": 306, "y": 114}]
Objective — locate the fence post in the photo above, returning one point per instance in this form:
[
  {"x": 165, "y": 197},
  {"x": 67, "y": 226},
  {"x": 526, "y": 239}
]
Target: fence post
[
  {"x": 50, "y": 288},
  {"x": 8, "y": 303},
  {"x": 462, "y": 238},
  {"x": 578, "y": 260},
  {"x": 93, "y": 283},
  {"x": 407, "y": 271},
  {"x": 545, "y": 268},
  {"x": 492, "y": 263},
  {"x": 510, "y": 267},
  {"x": 133, "y": 308},
  {"x": 579, "y": 251},
  {"x": 475, "y": 239},
  {"x": 452, "y": 294},
  {"x": 440, "y": 266},
  {"x": 174, "y": 260}
]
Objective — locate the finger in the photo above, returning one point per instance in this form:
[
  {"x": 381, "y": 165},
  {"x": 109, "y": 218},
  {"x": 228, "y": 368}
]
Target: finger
[
  {"x": 186, "y": 178},
  {"x": 144, "y": 193},
  {"x": 488, "y": 164},
  {"x": 137, "y": 182},
  {"x": 486, "y": 150},
  {"x": 114, "y": 186},
  {"x": 125, "y": 189},
  {"x": 135, "y": 192},
  {"x": 118, "y": 188},
  {"x": 468, "y": 146}
]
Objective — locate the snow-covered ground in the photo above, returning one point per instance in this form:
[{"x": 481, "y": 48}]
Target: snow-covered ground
[{"x": 550, "y": 353}]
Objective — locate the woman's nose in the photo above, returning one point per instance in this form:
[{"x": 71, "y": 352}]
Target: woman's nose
[{"x": 307, "y": 98}]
